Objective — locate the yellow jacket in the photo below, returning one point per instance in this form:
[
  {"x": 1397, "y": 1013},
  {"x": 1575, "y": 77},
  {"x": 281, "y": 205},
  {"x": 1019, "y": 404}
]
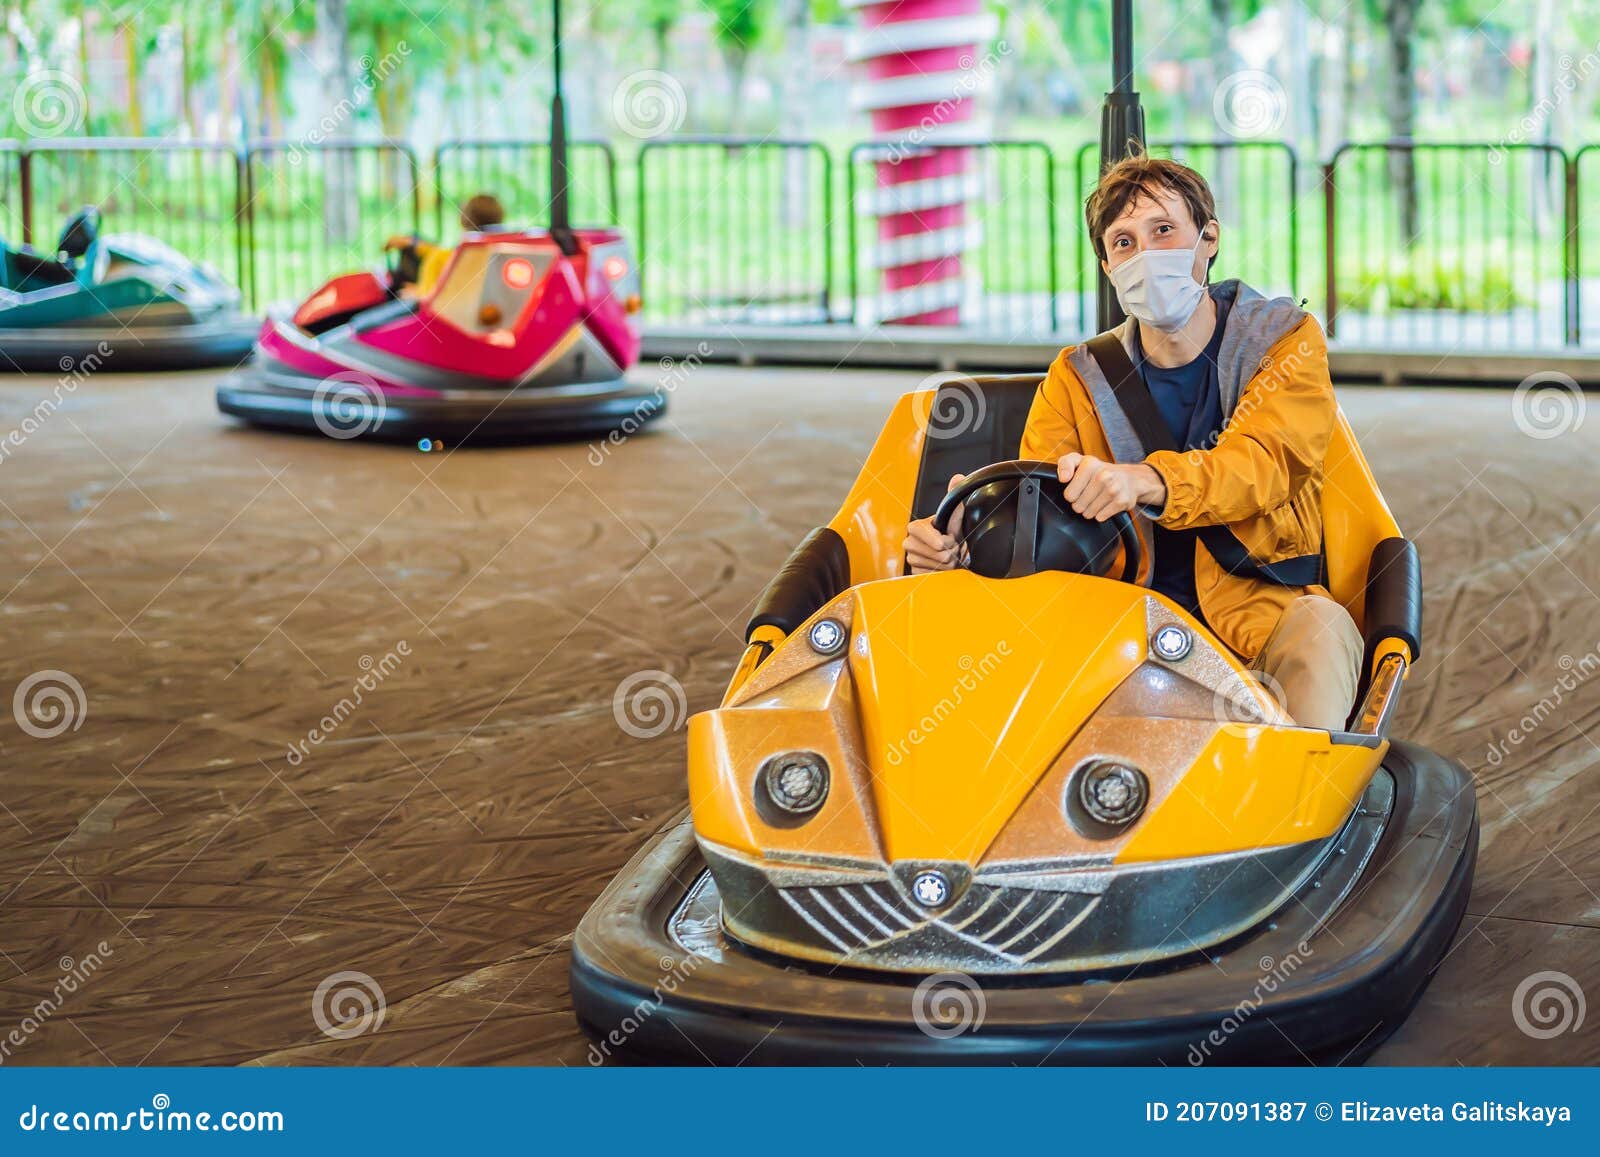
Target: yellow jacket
[
  {"x": 1263, "y": 478},
  {"x": 434, "y": 258}
]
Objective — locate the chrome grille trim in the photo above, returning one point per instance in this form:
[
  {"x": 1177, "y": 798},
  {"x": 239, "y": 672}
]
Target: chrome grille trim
[
  {"x": 811, "y": 920},
  {"x": 856, "y": 917},
  {"x": 821, "y": 901},
  {"x": 1037, "y": 920}
]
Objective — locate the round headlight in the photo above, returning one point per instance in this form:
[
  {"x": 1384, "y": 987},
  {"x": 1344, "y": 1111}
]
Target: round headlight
[
  {"x": 1111, "y": 793},
  {"x": 827, "y": 637},
  {"x": 1172, "y": 642},
  {"x": 795, "y": 783}
]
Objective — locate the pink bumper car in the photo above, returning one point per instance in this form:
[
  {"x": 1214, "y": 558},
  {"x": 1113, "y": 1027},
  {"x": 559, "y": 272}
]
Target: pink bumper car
[{"x": 525, "y": 337}]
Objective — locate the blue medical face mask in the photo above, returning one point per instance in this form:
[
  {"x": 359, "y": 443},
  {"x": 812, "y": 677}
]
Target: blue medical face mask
[{"x": 1157, "y": 287}]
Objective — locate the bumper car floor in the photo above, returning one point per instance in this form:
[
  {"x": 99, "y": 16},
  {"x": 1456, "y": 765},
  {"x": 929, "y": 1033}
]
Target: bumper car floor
[{"x": 217, "y": 591}]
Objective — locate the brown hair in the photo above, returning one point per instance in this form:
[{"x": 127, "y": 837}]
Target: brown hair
[
  {"x": 481, "y": 212},
  {"x": 1144, "y": 176}
]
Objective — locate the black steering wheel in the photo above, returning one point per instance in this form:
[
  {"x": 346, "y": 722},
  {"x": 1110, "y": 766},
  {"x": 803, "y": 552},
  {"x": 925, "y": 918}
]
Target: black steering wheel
[
  {"x": 405, "y": 267},
  {"x": 1017, "y": 522}
]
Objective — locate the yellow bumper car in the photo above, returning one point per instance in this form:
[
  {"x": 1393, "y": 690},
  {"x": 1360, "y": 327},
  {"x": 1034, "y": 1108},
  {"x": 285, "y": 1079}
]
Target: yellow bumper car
[{"x": 1031, "y": 811}]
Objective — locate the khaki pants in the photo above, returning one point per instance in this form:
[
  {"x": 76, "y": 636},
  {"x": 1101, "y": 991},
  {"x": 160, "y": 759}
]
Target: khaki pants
[{"x": 1312, "y": 662}]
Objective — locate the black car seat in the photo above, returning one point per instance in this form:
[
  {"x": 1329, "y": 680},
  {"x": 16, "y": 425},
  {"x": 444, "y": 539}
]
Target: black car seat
[
  {"x": 31, "y": 270},
  {"x": 79, "y": 233},
  {"x": 974, "y": 421}
]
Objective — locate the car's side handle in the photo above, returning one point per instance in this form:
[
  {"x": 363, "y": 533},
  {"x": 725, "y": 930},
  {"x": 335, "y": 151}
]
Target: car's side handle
[
  {"x": 1393, "y": 608},
  {"x": 818, "y": 570}
]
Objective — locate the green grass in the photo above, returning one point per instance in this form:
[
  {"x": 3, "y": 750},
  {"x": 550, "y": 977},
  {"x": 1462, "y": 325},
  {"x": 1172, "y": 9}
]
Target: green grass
[{"x": 1486, "y": 288}]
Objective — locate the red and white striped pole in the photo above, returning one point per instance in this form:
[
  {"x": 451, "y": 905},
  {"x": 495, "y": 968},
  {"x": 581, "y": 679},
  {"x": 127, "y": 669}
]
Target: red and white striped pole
[{"x": 919, "y": 84}]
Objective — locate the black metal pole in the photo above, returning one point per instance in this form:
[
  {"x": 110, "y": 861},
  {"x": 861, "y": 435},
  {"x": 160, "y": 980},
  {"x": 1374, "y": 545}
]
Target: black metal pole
[
  {"x": 560, "y": 224},
  {"x": 1121, "y": 134}
]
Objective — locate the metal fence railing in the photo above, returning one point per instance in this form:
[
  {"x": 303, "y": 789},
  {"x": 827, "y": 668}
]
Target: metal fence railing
[
  {"x": 735, "y": 230},
  {"x": 314, "y": 210},
  {"x": 10, "y": 192},
  {"x": 1448, "y": 246},
  {"x": 518, "y": 173},
  {"x": 1421, "y": 244},
  {"x": 1583, "y": 323},
  {"x": 978, "y": 219},
  {"x": 185, "y": 194}
]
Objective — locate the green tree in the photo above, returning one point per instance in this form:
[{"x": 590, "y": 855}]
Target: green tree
[
  {"x": 739, "y": 25},
  {"x": 1400, "y": 108},
  {"x": 661, "y": 17},
  {"x": 270, "y": 26}
]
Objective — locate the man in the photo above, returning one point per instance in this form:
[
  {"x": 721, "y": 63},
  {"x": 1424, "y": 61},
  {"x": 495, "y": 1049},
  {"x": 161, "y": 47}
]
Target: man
[{"x": 1227, "y": 463}]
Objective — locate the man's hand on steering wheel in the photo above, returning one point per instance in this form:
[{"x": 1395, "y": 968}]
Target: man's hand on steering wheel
[
  {"x": 1023, "y": 527},
  {"x": 1099, "y": 490},
  {"x": 405, "y": 267},
  {"x": 928, "y": 550}
]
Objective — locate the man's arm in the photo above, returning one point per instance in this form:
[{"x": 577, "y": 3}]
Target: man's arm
[
  {"x": 1277, "y": 437},
  {"x": 1095, "y": 488}
]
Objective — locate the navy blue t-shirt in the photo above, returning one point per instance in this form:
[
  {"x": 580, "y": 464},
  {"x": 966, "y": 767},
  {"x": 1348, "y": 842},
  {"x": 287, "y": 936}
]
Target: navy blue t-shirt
[{"x": 1190, "y": 402}]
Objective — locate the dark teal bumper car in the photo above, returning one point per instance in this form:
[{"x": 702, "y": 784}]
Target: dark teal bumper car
[{"x": 116, "y": 302}]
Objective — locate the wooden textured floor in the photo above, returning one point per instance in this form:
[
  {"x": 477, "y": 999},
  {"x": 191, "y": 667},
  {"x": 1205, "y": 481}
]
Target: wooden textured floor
[{"x": 216, "y": 592}]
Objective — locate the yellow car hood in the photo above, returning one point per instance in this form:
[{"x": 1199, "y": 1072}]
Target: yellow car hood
[{"x": 969, "y": 687}]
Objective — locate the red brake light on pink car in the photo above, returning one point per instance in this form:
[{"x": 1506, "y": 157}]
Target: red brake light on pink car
[{"x": 518, "y": 274}]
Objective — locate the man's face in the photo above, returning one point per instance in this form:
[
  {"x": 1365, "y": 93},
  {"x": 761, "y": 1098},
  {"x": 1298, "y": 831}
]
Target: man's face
[{"x": 1159, "y": 221}]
